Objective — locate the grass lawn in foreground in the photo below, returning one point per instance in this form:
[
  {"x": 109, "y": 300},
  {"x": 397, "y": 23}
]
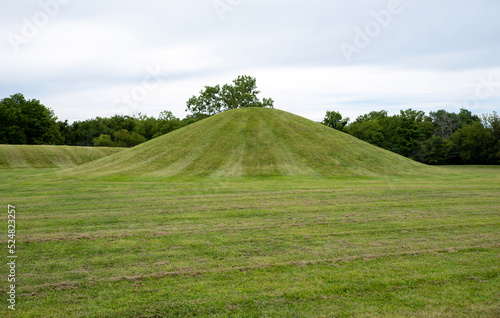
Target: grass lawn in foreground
[{"x": 255, "y": 247}]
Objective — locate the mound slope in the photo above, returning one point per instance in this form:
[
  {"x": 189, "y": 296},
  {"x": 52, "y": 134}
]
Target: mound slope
[
  {"x": 30, "y": 156},
  {"x": 254, "y": 142}
]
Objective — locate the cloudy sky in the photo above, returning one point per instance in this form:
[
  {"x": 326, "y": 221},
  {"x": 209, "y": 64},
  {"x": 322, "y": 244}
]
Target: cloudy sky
[{"x": 88, "y": 58}]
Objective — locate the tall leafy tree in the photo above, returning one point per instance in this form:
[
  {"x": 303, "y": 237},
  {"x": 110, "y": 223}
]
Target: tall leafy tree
[
  {"x": 243, "y": 93},
  {"x": 372, "y": 128},
  {"x": 412, "y": 130},
  {"x": 27, "y": 122},
  {"x": 474, "y": 142},
  {"x": 334, "y": 119},
  {"x": 86, "y": 131},
  {"x": 214, "y": 99},
  {"x": 166, "y": 123},
  {"x": 447, "y": 123},
  {"x": 210, "y": 101},
  {"x": 124, "y": 138},
  {"x": 492, "y": 122}
]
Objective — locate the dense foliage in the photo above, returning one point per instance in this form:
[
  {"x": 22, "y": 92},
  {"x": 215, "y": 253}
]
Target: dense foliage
[
  {"x": 28, "y": 122},
  {"x": 439, "y": 138},
  {"x": 214, "y": 99},
  {"x": 122, "y": 131}
]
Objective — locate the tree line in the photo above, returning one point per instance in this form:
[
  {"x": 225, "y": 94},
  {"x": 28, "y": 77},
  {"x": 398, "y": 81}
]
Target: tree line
[
  {"x": 29, "y": 122},
  {"x": 438, "y": 138}
]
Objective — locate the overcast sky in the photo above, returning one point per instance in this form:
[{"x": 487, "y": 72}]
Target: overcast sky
[{"x": 88, "y": 58}]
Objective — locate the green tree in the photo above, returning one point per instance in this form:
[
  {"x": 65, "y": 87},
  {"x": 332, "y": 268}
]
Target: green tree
[
  {"x": 446, "y": 123},
  {"x": 371, "y": 131},
  {"x": 474, "y": 143},
  {"x": 27, "y": 122},
  {"x": 86, "y": 131},
  {"x": 371, "y": 116},
  {"x": 166, "y": 123},
  {"x": 334, "y": 120},
  {"x": 412, "y": 130},
  {"x": 492, "y": 122},
  {"x": 145, "y": 126},
  {"x": 243, "y": 93},
  {"x": 372, "y": 128},
  {"x": 214, "y": 99},
  {"x": 124, "y": 138},
  {"x": 466, "y": 117},
  {"x": 67, "y": 132},
  {"x": 210, "y": 101},
  {"x": 432, "y": 151},
  {"x": 103, "y": 141}
]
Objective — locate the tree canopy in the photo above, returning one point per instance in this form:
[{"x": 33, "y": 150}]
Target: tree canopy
[
  {"x": 334, "y": 120},
  {"x": 440, "y": 138},
  {"x": 215, "y": 99},
  {"x": 27, "y": 122}
]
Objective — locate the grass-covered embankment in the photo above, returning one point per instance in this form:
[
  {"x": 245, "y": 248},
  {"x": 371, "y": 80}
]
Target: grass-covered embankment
[
  {"x": 253, "y": 142},
  {"x": 31, "y": 156}
]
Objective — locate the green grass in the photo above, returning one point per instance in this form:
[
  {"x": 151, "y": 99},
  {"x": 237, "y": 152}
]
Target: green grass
[
  {"x": 22, "y": 156},
  {"x": 250, "y": 213},
  {"x": 275, "y": 246},
  {"x": 253, "y": 142}
]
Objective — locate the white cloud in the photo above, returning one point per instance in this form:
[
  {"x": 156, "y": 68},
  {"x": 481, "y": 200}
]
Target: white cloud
[{"x": 93, "y": 53}]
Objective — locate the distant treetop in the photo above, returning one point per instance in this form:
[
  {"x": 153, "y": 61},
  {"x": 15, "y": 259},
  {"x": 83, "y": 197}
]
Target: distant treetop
[{"x": 214, "y": 99}]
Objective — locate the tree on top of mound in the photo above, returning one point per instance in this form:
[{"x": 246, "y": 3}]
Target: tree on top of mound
[{"x": 215, "y": 99}]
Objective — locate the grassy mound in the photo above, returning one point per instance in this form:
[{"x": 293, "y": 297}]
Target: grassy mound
[
  {"x": 254, "y": 142},
  {"x": 24, "y": 156}
]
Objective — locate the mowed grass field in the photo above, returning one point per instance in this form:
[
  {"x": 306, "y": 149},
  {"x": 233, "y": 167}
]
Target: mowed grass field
[
  {"x": 255, "y": 247},
  {"x": 30, "y": 156}
]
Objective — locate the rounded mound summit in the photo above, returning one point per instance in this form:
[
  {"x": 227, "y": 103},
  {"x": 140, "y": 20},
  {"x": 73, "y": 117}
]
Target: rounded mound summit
[{"x": 250, "y": 142}]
